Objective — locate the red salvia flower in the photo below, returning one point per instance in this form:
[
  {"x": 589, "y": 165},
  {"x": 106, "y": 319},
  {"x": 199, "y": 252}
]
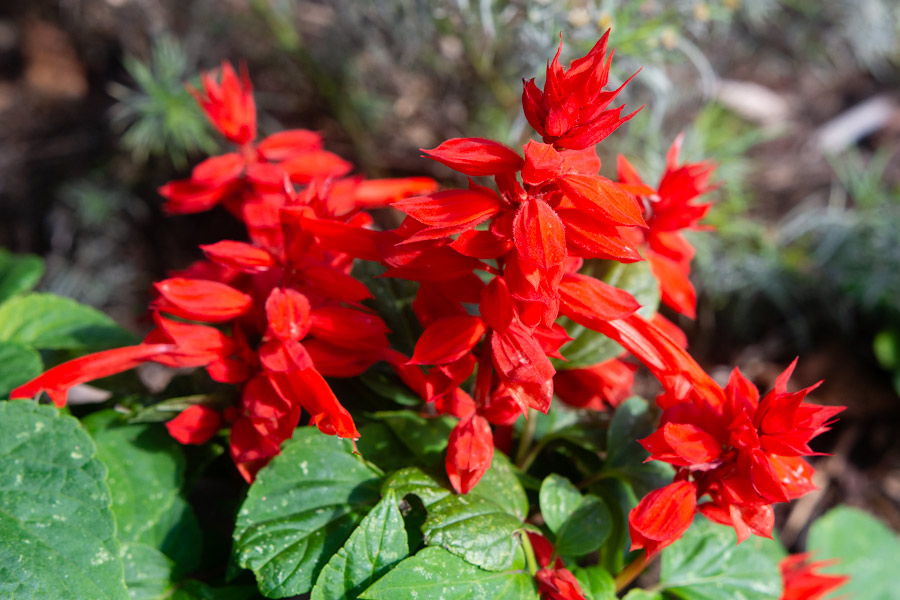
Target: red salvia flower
[
  {"x": 195, "y": 425},
  {"x": 801, "y": 582},
  {"x": 469, "y": 453}
]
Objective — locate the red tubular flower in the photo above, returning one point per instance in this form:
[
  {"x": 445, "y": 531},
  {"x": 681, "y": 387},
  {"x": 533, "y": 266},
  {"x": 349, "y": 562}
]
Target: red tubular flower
[
  {"x": 558, "y": 584},
  {"x": 229, "y": 104},
  {"x": 447, "y": 339},
  {"x": 595, "y": 387},
  {"x": 58, "y": 380},
  {"x": 196, "y": 424},
  {"x": 801, "y": 582},
  {"x": 571, "y": 111},
  {"x": 201, "y": 300},
  {"x": 469, "y": 453},
  {"x": 662, "y": 516}
]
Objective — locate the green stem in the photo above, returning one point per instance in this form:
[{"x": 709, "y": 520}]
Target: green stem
[
  {"x": 631, "y": 571},
  {"x": 527, "y": 437},
  {"x": 529, "y": 553}
]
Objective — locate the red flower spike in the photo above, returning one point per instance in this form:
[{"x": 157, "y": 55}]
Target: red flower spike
[
  {"x": 476, "y": 156},
  {"x": 239, "y": 255},
  {"x": 469, "y": 453},
  {"x": 801, "y": 582},
  {"x": 558, "y": 584},
  {"x": 662, "y": 516},
  {"x": 58, "y": 380},
  {"x": 447, "y": 339},
  {"x": 201, "y": 300},
  {"x": 229, "y": 105},
  {"x": 196, "y": 424},
  {"x": 287, "y": 311}
]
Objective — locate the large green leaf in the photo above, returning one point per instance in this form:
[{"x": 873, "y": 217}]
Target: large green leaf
[
  {"x": 146, "y": 470},
  {"x": 708, "y": 564},
  {"x": 148, "y": 572},
  {"x": 500, "y": 484},
  {"x": 635, "y": 419},
  {"x": 58, "y": 532},
  {"x": 435, "y": 574},
  {"x": 413, "y": 480},
  {"x": 372, "y": 549},
  {"x": 48, "y": 322},
  {"x": 558, "y": 499},
  {"x": 426, "y": 438},
  {"x": 474, "y": 528},
  {"x": 596, "y": 582},
  {"x": 865, "y": 549},
  {"x": 18, "y": 273},
  {"x": 589, "y": 347},
  {"x": 585, "y": 529},
  {"x": 300, "y": 511},
  {"x": 19, "y": 364}
]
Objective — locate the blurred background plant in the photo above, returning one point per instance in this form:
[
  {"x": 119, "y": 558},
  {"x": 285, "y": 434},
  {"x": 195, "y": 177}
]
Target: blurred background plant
[{"x": 796, "y": 100}]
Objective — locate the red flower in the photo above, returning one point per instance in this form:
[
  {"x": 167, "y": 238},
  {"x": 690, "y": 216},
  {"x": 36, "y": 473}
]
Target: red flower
[
  {"x": 571, "y": 111},
  {"x": 469, "y": 453},
  {"x": 558, "y": 584},
  {"x": 58, "y": 380},
  {"x": 196, "y": 424},
  {"x": 662, "y": 516},
  {"x": 229, "y": 105},
  {"x": 801, "y": 582}
]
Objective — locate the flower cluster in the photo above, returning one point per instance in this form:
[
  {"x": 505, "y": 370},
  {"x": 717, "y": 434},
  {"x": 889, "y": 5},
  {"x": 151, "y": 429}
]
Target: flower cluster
[
  {"x": 272, "y": 316},
  {"x": 497, "y": 265}
]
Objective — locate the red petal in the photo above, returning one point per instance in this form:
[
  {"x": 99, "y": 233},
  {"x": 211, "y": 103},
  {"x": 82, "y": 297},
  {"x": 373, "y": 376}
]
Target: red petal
[
  {"x": 451, "y": 207},
  {"x": 539, "y": 235},
  {"x": 519, "y": 357},
  {"x": 287, "y": 311},
  {"x": 57, "y": 381},
  {"x": 284, "y": 144},
  {"x": 239, "y": 255},
  {"x": 481, "y": 244},
  {"x": 476, "y": 156},
  {"x": 469, "y": 453},
  {"x": 604, "y": 198},
  {"x": 662, "y": 516},
  {"x": 586, "y": 300},
  {"x": 309, "y": 389},
  {"x": 317, "y": 164},
  {"x": 591, "y": 238},
  {"x": 201, "y": 300},
  {"x": 196, "y": 424},
  {"x": 348, "y": 327},
  {"x": 448, "y": 339},
  {"x": 496, "y": 305},
  {"x": 542, "y": 163}
]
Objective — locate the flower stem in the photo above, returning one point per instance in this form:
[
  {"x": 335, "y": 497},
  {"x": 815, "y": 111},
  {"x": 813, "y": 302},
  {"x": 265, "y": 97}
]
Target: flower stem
[
  {"x": 529, "y": 552},
  {"x": 527, "y": 437},
  {"x": 630, "y": 572}
]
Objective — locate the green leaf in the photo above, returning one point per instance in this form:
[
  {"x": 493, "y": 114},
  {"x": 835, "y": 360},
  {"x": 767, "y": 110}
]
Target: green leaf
[
  {"x": 585, "y": 530},
  {"x": 300, "y": 511},
  {"x": 641, "y": 595},
  {"x": 18, "y": 273},
  {"x": 435, "y": 574},
  {"x": 146, "y": 472},
  {"x": 596, "y": 582},
  {"x": 148, "y": 572},
  {"x": 589, "y": 347},
  {"x": 474, "y": 528},
  {"x": 426, "y": 438},
  {"x": 378, "y": 445},
  {"x": 865, "y": 548},
  {"x": 620, "y": 499},
  {"x": 48, "y": 322},
  {"x": 708, "y": 564},
  {"x": 413, "y": 480},
  {"x": 500, "y": 484},
  {"x": 372, "y": 549},
  {"x": 558, "y": 500},
  {"x": 634, "y": 419},
  {"x": 20, "y": 364},
  {"x": 58, "y": 532},
  {"x": 195, "y": 590}
]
